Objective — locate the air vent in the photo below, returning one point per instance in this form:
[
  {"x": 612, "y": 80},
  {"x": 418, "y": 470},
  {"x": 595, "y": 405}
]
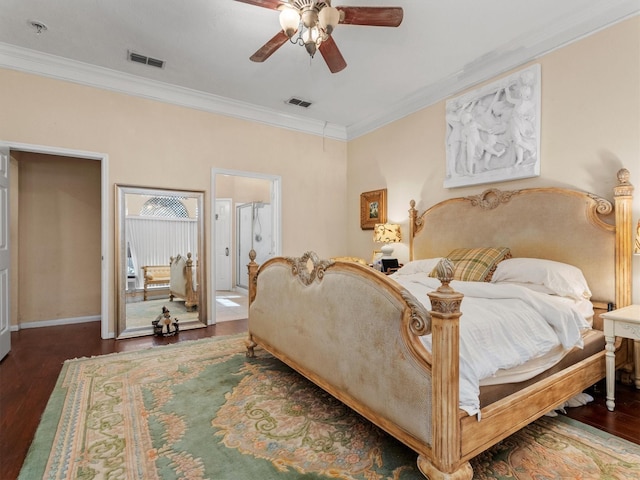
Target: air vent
[
  {"x": 298, "y": 102},
  {"x": 152, "y": 62}
]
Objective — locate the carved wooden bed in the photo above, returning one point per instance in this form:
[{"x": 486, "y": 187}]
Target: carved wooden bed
[
  {"x": 356, "y": 332},
  {"x": 182, "y": 281}
]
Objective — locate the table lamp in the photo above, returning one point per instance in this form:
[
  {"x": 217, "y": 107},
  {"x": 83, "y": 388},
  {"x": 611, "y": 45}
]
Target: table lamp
[{"x": 386, "y": 233}]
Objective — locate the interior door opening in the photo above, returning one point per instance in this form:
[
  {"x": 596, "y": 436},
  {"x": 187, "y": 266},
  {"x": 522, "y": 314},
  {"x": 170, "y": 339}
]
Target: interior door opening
[
  {"x": 254, "y": 222},
  {"x": 253, "y": 232},
  {"x": 54, "y": 163}
]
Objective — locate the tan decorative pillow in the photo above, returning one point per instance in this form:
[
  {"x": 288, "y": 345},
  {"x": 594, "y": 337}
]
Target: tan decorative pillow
[
  {"x": 350, "y": 259},
  {"x": 476, "y": 264}
]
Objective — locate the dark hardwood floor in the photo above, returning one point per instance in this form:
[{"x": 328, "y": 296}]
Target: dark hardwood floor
[{"x": 29, "y": 373}]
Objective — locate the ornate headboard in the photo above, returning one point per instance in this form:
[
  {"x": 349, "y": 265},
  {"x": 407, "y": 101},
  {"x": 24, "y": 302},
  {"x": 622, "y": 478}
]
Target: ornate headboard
[{"x": 555, "y": 223}]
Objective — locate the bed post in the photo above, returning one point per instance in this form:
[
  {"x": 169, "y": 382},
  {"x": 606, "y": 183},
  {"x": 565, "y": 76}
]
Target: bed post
[
  {"x": 623, "y": 196},
  {"x": 252, "y": 267},
  {"x": 415, "y": 225},
  {"x": 191, "y": 299},
  {"x": 412, "y": 225},
  {"x": 445, "y": 370}
]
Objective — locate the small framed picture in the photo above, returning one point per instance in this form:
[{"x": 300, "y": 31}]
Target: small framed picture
[{"x": 373, "y": 208}]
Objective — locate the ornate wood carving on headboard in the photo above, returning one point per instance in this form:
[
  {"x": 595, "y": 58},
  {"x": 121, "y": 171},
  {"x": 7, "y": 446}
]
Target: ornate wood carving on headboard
[
  {"x": 557, "y": 223},
  {"x": 490, "y": 199}
]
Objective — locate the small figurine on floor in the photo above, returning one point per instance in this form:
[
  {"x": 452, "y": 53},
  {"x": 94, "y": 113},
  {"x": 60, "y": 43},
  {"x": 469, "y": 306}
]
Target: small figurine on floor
[{"x": 164, "y": 325}]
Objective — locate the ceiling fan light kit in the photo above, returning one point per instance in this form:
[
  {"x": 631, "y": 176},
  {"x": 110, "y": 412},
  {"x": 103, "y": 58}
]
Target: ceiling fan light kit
[{"x": 314, "y": 21}]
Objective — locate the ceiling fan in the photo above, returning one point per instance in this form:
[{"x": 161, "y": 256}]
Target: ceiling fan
[{"x": 314, "y": 21}]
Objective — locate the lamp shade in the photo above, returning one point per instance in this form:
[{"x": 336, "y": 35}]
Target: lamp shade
[
  {"x": 386, "y": 233},
  {"x": 329, "y": 17},
  {"x": 289, "y": 21}
]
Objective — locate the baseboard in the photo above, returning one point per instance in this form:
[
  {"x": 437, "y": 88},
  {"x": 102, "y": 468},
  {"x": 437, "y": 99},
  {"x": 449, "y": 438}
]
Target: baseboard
[{"x": 55, "y": 323}]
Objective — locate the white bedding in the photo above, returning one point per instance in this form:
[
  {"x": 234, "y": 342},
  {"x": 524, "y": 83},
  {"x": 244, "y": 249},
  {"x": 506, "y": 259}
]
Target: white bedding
[{"x": 502, "y": 326}]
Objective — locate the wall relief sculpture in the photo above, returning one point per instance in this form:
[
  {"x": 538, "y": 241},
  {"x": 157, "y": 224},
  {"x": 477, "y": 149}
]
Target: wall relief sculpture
[{"x": 493, "y": 133}]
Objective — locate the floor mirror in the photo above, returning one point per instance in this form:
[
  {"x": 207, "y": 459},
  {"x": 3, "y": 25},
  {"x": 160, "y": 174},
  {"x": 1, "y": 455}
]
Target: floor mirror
[{"x": 160, "y": 264}]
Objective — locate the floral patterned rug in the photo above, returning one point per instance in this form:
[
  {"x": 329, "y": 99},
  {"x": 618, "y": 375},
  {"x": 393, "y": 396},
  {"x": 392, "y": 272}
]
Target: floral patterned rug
[{"x": 202, "y": 410}]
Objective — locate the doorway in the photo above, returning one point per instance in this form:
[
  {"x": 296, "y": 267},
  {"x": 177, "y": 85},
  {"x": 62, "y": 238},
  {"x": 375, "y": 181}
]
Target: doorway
[
  {"x": 230, "y": 189},
  {"x": 99, "y": 255},
  {"x": 253, "y": 232}
]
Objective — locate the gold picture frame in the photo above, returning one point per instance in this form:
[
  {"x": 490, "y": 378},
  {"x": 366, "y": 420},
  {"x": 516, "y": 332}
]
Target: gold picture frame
[{"x": 373, "y": 208}]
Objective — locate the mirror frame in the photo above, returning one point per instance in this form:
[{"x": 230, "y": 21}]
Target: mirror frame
[{"x": 120, "y": 262}]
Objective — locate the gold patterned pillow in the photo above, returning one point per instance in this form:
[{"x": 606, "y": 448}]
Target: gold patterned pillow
[{"x": 476, "y": 264}]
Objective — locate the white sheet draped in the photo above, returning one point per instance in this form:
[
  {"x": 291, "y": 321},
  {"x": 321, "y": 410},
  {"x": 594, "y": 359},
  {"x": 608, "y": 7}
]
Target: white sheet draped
[{"x": 501, "y": 326}]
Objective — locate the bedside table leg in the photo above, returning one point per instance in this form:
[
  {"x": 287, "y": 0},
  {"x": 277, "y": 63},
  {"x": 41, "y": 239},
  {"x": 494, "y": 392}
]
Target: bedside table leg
[
  {"x": 636, "y": 361},
  {"x": 611, "y": 372}
]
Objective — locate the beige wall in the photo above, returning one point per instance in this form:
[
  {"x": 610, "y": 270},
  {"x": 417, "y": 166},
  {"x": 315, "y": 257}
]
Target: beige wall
[
  {"x": 590, "y": 127},
  {"x": 243, "y": 189},
  {"x": 154, "y": 144},
  {"x": 58, "y": 233}
]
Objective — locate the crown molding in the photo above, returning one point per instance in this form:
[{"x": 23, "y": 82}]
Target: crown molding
[
  {"x": 31, "y": 61},
  {"x": 520, "y": 51}
]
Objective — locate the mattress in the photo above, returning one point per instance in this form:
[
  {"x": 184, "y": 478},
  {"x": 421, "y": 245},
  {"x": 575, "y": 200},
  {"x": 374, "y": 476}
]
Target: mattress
[{"x": 593, "y": 343}]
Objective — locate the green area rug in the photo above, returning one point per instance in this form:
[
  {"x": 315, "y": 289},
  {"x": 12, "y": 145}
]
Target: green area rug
[{"x": 202, "y": 410}]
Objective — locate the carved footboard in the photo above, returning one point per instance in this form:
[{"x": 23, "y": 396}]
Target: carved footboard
[{"x": 354, "y": 332}]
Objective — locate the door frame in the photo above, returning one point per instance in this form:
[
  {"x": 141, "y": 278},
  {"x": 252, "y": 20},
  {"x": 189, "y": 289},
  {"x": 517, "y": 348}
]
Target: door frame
[
  {"x": 103, "y": 158},
  {"x": 276, "y": 202},
  {"x": 5, "y": 251},
  {"x": 229, "y": 202}
]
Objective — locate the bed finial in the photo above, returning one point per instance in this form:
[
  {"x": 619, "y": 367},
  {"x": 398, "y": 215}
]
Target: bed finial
[
  {"x": 623, "y": 176},
  {"x": 444, "y": 272}
]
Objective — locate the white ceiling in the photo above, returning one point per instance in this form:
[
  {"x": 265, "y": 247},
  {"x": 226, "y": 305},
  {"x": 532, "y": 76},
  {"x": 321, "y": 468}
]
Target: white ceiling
[{"x": 440, "y": 48}]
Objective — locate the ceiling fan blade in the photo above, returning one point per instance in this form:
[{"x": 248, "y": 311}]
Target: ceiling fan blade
[
  {"x": 373, "y": 16},
  {"x": 270, "y": 47},
  {"x": 272, "y": 4},
  {"x": 331, "y": 54}
]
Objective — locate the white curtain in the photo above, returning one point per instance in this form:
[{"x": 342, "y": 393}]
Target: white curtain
[{"x": 153, "y": 240}]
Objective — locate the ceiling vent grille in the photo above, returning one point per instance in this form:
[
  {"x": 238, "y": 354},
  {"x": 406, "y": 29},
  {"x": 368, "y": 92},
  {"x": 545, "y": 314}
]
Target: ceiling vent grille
[
  {"x": 298, "y": 102},
  {"x": 152, "y": 62}
]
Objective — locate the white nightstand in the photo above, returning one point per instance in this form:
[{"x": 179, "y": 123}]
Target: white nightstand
[{"x": 624, "y": 322}]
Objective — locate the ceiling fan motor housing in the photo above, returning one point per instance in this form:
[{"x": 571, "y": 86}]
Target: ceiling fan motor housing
[{"x": 310, "y": 4}]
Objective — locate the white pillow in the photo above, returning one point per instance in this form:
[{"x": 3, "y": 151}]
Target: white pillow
[
  {"x": 563, "y": 279},
  {"x": 424, "y": 265}
]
